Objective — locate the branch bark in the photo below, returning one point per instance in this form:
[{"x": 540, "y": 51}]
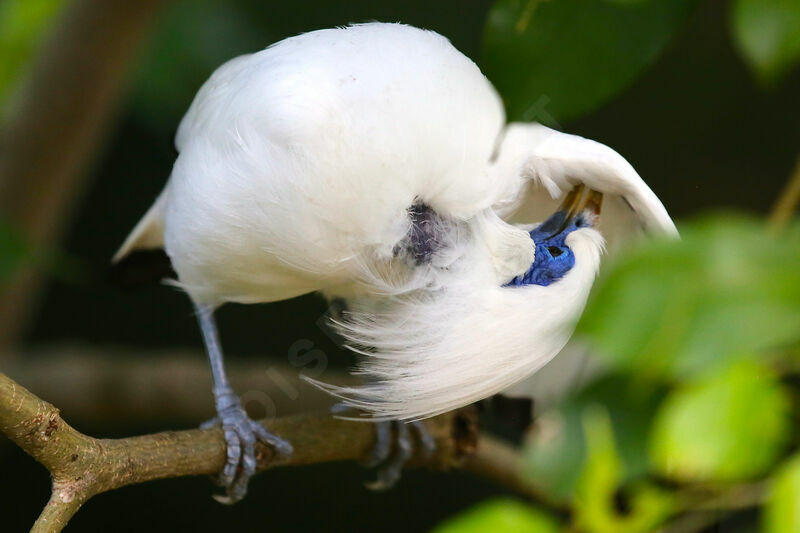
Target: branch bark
[
  {"x": 82, "y": 466},
  {"x": 62, "y": 112}
]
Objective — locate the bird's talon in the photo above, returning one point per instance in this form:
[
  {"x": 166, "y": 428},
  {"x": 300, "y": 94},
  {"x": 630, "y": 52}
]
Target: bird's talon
[
  {"x": 383, "y": 445},
  {"x": 426, "y": 441},
  {"x": 391, "y": 458},
  {"x": 224, "y": 500},
  {"x": 281, "y": 446},
  {"x": 209, "y": 424},
  {"x": 241, "y": 434},
  {"x": 383, "y": 482}
]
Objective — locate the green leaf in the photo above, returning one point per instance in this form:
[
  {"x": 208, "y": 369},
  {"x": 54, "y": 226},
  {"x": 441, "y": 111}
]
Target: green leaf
[
  {"x": 782, "y": 510},
  {"x": 22, "y": 23},
  {"x": 555, "y": 60},
  {"x": 601, "y": 476},
  {"x": 680, "y": 309},
  {"x": 767, "y": 33},
  {"x": 500, "y": 516},
  {"x": 556, "y": 450},
  {"x": 728, "y": 427}
]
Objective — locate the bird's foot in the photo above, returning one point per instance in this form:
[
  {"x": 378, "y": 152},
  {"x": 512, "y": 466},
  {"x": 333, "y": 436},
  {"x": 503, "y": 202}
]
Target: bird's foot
[
  {"x": 394, "y": 446},
  {"x": 241, "y": 434}
]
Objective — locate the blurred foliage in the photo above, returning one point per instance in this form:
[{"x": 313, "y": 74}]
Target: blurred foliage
[
  {"x": 22, "y": 23},
  {"x": 782, "y": 514},
  {"x": 704, "y": 431},
  {"x": 727, "y": 290},
  {"x": 768, "y": 35},
  {"x": 14, "y": 250},
  {"x": 553, "y": 61},
  {"x": 558, "y": 448},
  {"x": 17, "y": 251},
  {"x": 595, "y": 508},
  {"x": 500, "y": 516}
]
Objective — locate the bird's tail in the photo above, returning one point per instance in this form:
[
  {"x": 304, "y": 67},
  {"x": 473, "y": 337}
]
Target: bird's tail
[{"x": 148, "y": 233}]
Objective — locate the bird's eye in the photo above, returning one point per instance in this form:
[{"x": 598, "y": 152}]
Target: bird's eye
[{"x": 555, "y": 251}]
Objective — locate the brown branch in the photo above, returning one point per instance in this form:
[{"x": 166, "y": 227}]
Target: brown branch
[
  {"x": 786, "y": 204},
  {"x": 57, "y": 513},
  {"x": 61, "y": 113},
  {"x": 82, "y": 466}
]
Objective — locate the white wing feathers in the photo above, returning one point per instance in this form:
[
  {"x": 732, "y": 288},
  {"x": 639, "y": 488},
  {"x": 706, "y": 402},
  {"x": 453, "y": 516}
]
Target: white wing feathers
[{"x": 546, "y": 158}]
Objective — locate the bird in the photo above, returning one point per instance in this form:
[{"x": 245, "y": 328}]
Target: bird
[{"x": 373, "y": 164}]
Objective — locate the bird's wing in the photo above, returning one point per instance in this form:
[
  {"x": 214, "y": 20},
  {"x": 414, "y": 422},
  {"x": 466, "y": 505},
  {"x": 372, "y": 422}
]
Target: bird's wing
[{"x": 540, "y": 164}]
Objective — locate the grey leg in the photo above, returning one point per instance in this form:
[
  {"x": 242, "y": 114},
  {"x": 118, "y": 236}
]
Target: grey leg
[{"x": 241, "y": 433}]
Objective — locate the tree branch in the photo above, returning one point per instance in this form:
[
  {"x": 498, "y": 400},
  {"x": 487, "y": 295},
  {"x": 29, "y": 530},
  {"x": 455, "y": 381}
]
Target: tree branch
[
  {"x": 82, "y": 466},
  {"x": 56, "y": 513}
]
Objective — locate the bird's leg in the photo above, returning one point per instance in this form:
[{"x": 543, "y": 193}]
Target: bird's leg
[
  {"x": 241, "y": 433},
  {"x": 394, "y": 446}
]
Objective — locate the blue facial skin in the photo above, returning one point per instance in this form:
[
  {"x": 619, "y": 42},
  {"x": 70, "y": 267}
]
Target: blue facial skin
[{"x": 553, "y": 257}]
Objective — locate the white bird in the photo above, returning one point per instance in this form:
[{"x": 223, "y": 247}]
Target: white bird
[{"x": 373, "y": 163}]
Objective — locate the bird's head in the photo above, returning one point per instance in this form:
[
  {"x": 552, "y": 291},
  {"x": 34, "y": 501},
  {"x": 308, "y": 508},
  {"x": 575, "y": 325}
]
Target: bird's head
[{"x": 569, "y": 229}]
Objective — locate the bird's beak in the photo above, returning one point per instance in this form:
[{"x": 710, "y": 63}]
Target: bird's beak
[
  {"x": 593, "y": 204},
  {"x": 578, "y": 200}
]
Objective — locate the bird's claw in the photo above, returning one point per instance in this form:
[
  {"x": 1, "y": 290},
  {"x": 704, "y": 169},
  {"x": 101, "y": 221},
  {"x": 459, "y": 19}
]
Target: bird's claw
[
  {"x": 389, "y": 459},
  {"x": 241, "y": 434},
  {"x": 390, "y": 465}
]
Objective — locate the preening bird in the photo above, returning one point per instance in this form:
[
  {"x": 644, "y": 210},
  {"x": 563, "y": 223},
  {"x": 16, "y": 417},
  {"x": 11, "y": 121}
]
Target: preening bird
[{"x": 373, "y": 164}]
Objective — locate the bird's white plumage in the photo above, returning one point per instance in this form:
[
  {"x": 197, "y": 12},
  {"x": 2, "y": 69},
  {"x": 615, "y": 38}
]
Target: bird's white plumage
[
  {"x": 296, "y": 170},
  {"x": 548, "y": 163},
  {"x": 296, "y": 160}
]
